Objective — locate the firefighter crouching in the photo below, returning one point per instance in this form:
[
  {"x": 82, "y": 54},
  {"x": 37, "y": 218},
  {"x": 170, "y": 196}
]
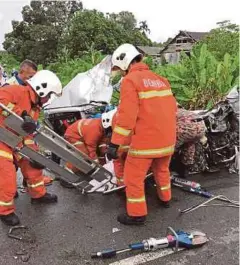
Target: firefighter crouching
[
  {"x": 25, "y": 101},
  {"x": 87, "y": 135},
  {"x": 147, "y": 110}
]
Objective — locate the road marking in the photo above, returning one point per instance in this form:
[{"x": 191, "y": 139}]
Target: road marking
[{"x": 144, "y": 257}]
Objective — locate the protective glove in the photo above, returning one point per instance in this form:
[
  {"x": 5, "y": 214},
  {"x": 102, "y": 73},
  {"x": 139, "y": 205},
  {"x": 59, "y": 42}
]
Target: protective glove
[
  {"x": 29, "y": 125},
  {"x": 36, "y": 165},
  {"x": 112, "y": 151}
]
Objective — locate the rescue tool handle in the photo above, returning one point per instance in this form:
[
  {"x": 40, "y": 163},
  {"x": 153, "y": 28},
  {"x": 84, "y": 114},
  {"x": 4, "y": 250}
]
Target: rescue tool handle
[
  {"x": 136, "y": 246},
  {"x": 199, "y": 192}
]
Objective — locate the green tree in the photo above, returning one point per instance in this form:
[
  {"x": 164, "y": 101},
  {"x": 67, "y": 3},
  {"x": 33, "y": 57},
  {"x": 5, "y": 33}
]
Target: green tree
[
  {"x": 143, "y": 27},
  {"x": 201, "y": 80},
  {"x": 38, "y": 35},
  {"x": 91, "y": 28},
  {"x": 126, "y": 19},
  {"x": 8, "y": 61},
  {"x": 222, "y": 40}
]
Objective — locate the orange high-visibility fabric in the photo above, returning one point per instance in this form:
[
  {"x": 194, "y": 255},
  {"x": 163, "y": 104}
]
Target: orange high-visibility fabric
[
  {"x": 88, "y": 131},
  {"x": 122, "y": 155},
  {"x": 119, "y": 166},
  {"x": 147, "y": 110},
  {"x": 18, "y": 99},
  {"x": 8, "y": 184},
  {"x": 135, "y": 171},
  {"x": 34, "y": 178},
  {"x": 8, "y": 180},
  {"x": 29, "y": 141}
]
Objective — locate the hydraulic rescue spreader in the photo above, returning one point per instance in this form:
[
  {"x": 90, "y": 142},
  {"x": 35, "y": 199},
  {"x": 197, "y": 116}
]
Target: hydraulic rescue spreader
[{"x": 173, "y": 239}]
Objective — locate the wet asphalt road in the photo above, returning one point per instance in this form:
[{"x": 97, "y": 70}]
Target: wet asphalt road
[{"x": 67, "y": 232}]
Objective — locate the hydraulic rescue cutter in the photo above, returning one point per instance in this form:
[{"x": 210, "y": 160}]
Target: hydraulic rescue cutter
[
  {"x": 93, "y": 176},
  {"x": 177, "y": 240}
]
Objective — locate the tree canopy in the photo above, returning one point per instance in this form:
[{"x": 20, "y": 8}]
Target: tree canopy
[
  {"x": 54, "y": 28},
  {"x": 223, "y": 39},
  {"x": 37, "y": 36}
]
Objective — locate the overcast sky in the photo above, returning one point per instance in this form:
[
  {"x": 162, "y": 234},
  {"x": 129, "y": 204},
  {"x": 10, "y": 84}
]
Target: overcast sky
[{"x": 165, "y": 18}]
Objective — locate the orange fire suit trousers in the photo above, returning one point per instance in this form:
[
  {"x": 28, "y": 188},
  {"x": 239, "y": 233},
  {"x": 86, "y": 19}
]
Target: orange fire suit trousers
[
  {"x": 8, "y": 185},
  {"x": 135, "y": 171},
  {"x": 119, "y": 166}
]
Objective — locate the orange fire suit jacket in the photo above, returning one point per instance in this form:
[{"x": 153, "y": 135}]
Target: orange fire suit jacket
[
  {"x": 147, "y": 111},
  {"x": 19, "y": 98},
  {"x": 88, "y": 131},
  {"x": 124, "y": 147}
]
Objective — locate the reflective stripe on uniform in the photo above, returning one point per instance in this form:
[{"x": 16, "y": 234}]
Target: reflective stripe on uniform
[
  {"x": 41, "y": 183},
  {"x": 29, "y": 142},
  {"x": 155, "y": 93},
  {"x": 9, "y": 106},
  {"x": 136, "y": 200},
  {"x": 6, "y": 203},
  {"x": 167, "y": 187},
  {"x": 5, "y": 113},
  {"x": 161, "y": 151},
  {"x": 6, "y": 155},
  {"x": 121, "y": 131},
  {"x": 79, "y": 127},
  {"x": 123, "y": 147},
  {"x": 78, "y": 143}
]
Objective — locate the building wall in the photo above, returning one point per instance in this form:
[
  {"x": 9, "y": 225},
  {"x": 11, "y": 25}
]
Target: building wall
[
  {"x": 173, "y": 50},
  {"x": 172, "y": 57}
]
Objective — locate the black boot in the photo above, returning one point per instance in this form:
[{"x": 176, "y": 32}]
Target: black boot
[
  {"x": 10, "y": 219},
  {"x": 131, "y": 220},
  {"x": 47, "y": 198},
  {"x": 165, "y": 204},
  {"x": 16, "y": 195}
]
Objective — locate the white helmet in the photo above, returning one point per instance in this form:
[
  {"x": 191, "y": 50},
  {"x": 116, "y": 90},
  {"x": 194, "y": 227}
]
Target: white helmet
[
  {"x": 123, "y": 56},
  {"x": 107, "y": 118},
  {"x": 45, "y": 82}
]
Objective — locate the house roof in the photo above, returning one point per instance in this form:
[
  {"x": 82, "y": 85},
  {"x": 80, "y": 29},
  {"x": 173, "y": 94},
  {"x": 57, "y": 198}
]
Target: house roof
[
  {"x": 196, "y": 36},
  {"x": 149, "y": 50}
]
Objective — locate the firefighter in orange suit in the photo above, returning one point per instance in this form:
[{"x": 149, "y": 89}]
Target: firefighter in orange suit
[
  {"x": 86, "y": 135},
  {"x": 147, "y": 110},
  {"x": 27, "y": 70},
  {"x": 26, "y": 101}
]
